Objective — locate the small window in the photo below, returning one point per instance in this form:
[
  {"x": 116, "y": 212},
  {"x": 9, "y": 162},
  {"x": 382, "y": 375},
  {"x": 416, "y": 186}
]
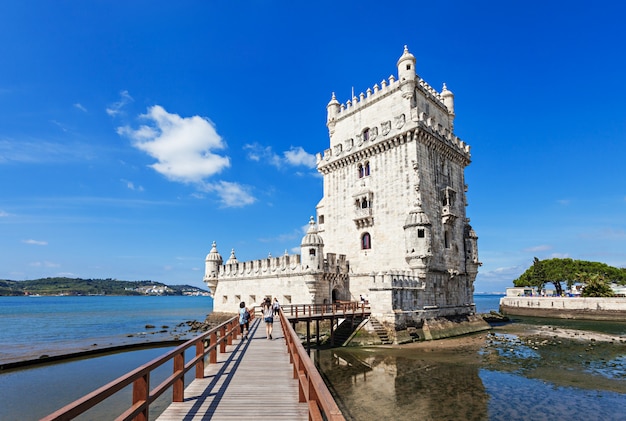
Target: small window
[
  {"x": 360, "y": 170},
  {"x": 408, "y": 67},
  {"x": 312, "y": 252},
  {"x": 420, "y": 233},
  {"x": 446, "y": 239},
  {"x": 320, "y": 219},
  {"x": 366, "y": 134},
  {"x": 366, "y": 241},
  {"x": 224, "y": 299},
  {"x": 366, "y": 170}
]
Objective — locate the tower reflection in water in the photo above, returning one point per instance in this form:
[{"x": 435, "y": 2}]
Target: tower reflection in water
[{"x": 393, "y": 384}]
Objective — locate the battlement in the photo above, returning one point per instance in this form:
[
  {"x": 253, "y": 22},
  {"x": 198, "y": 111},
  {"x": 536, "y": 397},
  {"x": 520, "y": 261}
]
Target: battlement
[
  {"x": 377, "y": 93},
  {"x": 398, "y": 279},
  {"x": 286, "y": 265},
  {"x": 423, "y": 121}
]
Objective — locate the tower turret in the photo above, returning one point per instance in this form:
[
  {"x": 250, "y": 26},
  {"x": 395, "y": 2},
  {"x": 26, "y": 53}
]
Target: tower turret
[
  {"x": 448, "y": 101},
  {"x": 418, "y": 239},
  {"x": 332, "y": 109},
  {"x": 471, "y": 250},
  {"x": 212, "y": 265},
  {"x": 312, "y": 249},
  {"x": 406, "y": 73}
]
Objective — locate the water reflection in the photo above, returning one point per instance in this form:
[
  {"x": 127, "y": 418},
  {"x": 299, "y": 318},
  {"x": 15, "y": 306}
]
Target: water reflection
[
  {"x": 500, "y": 377},
  {"x": 371, "y": 386}
]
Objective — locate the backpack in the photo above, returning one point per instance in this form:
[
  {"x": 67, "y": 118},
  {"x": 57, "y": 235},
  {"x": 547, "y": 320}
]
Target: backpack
[{"x": 246, "y": 316}]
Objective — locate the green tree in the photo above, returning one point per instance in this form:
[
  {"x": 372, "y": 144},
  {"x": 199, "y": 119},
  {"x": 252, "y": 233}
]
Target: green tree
[
  {"x": 564, "y": 272},
  {"x": 595, "y": 285}
]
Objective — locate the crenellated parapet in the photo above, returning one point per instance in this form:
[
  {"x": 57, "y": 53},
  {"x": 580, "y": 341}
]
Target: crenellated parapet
[
  {"x": 398, "y": 279},
  {"x": 376, "y": 93}
]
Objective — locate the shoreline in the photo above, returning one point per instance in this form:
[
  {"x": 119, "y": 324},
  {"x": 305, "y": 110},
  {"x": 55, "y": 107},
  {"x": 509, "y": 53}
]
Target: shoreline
[{"x": 67, "y": 356}]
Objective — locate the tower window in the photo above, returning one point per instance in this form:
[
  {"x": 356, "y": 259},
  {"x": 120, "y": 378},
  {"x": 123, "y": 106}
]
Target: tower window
[
  {"x": 446, "y": 239},
  {"x": 320, "y": 219},
  {"x": 312, "y": 252},
  {"x": 366, "y": 134},
  {"x": 363, "y": 169},
  {"x": 420, "y": 233},
  {"x": 366, "y": 241}
]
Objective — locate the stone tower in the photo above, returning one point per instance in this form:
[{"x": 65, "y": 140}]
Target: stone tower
[
  {"x": 391, "y": 224},
  {"x": 394, "y": 199}
]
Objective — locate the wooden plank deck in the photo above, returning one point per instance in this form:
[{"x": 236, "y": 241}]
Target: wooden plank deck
[{"x": 252, "y": 378}]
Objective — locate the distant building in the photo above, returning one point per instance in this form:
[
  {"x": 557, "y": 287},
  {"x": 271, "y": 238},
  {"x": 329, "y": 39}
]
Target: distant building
[{"x": 391, "y": 224}]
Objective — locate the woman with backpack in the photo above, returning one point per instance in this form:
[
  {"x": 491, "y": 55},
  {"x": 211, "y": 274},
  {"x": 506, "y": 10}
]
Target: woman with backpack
[{"x": 244, "y": 319}]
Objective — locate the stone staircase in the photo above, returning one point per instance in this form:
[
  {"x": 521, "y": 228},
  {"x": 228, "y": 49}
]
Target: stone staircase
[
  {"x": 381, "y": 331},
  {"x": 344, "y": 331}
]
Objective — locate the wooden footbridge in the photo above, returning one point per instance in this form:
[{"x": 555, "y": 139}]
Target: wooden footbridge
[{"x": 235, "y": 378}]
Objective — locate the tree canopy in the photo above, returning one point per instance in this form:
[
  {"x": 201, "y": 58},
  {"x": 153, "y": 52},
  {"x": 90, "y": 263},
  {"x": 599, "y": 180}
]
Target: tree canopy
[{"x": 568, "y": 272}]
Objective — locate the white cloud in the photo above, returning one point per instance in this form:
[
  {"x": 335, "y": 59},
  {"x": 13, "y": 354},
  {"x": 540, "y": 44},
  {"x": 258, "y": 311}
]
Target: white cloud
[
  {"x": 80, "y": 107},
  {"x": 232, "y": 195},
  {"x": 542, "y": 247},
  {"x": 182, "y": 146},
  {"x": 295, "y": 156},
  {"x": 4, "y": 214},
  {"x": 298, "y": 156},
  {"x": 131, "y": 186},
  {"x": 45, "y": 264},
  {"x": 38, "y": 151},
  {"x": 35, "y": 242},
  {"x": 116, "y": 108}
]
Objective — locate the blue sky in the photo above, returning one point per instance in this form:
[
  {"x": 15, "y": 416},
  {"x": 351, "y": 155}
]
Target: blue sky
[{"x": 135, "y": 133}]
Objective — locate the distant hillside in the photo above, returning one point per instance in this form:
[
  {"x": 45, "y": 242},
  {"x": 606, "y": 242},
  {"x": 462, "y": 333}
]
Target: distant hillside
[{"x": 77, "y": 286}]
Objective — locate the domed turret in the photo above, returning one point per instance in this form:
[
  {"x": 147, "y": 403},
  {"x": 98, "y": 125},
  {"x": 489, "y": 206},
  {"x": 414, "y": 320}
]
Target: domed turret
[
  {"x": 212, "y": 265},
  {"x": 418, "y": 239},
  {"x": 471, "y": 250},
  {"x": 232, "y": 259},
  {"x": 312, "y": 248},
  {"x": 406, "y": 73},
  {"x": 332, "y": 109},
  {"x": 448, "y": 101}
]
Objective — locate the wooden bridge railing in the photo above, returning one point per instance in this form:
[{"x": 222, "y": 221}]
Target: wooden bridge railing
[
  {"x": 311, "y": 386},
  {"x": 219, "y": 336},
  {"x": 338, "y": 308}
]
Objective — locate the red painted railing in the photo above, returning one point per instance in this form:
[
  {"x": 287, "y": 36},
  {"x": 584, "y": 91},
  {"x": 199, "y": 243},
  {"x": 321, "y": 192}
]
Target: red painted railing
[
  {"x": 311, "y": 386},
  {"x": 143, "y": 396},
  {"x": 339, "y": 308}
]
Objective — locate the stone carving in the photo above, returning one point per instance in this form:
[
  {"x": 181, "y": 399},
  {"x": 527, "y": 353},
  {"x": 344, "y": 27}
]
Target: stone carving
[
  {"x": 386, "y": 126},
  {"x": 399, "y": 121}
]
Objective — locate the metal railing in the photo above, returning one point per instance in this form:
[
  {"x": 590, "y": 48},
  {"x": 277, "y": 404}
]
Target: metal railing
[{"x": 143, "y": 396}]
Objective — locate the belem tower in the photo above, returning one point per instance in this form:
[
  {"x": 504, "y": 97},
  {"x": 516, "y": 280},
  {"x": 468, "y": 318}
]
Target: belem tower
[{"x": 391, "y": 225}]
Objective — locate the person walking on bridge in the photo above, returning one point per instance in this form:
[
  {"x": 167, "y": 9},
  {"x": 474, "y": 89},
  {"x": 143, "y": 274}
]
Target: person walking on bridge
[
  {"x": 268, "y": 316},
  {"x": 244, "y": 319},
  {"x": 276, "y": 306}
]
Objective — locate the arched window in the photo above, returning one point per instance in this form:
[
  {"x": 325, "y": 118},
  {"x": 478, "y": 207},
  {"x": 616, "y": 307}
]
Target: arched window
[
  {"x": 366, "y": 170},
  {"x": 366, "y": 135},
  {"x": 366, "y": 241},
  {"x": 360, "y": 169}
]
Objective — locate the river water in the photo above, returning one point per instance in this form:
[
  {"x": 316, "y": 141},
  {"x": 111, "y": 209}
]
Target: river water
[{"x": 488, "y": 376}]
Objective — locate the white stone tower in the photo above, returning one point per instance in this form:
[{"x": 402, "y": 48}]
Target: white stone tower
[{"x": 394, "y": 199}]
